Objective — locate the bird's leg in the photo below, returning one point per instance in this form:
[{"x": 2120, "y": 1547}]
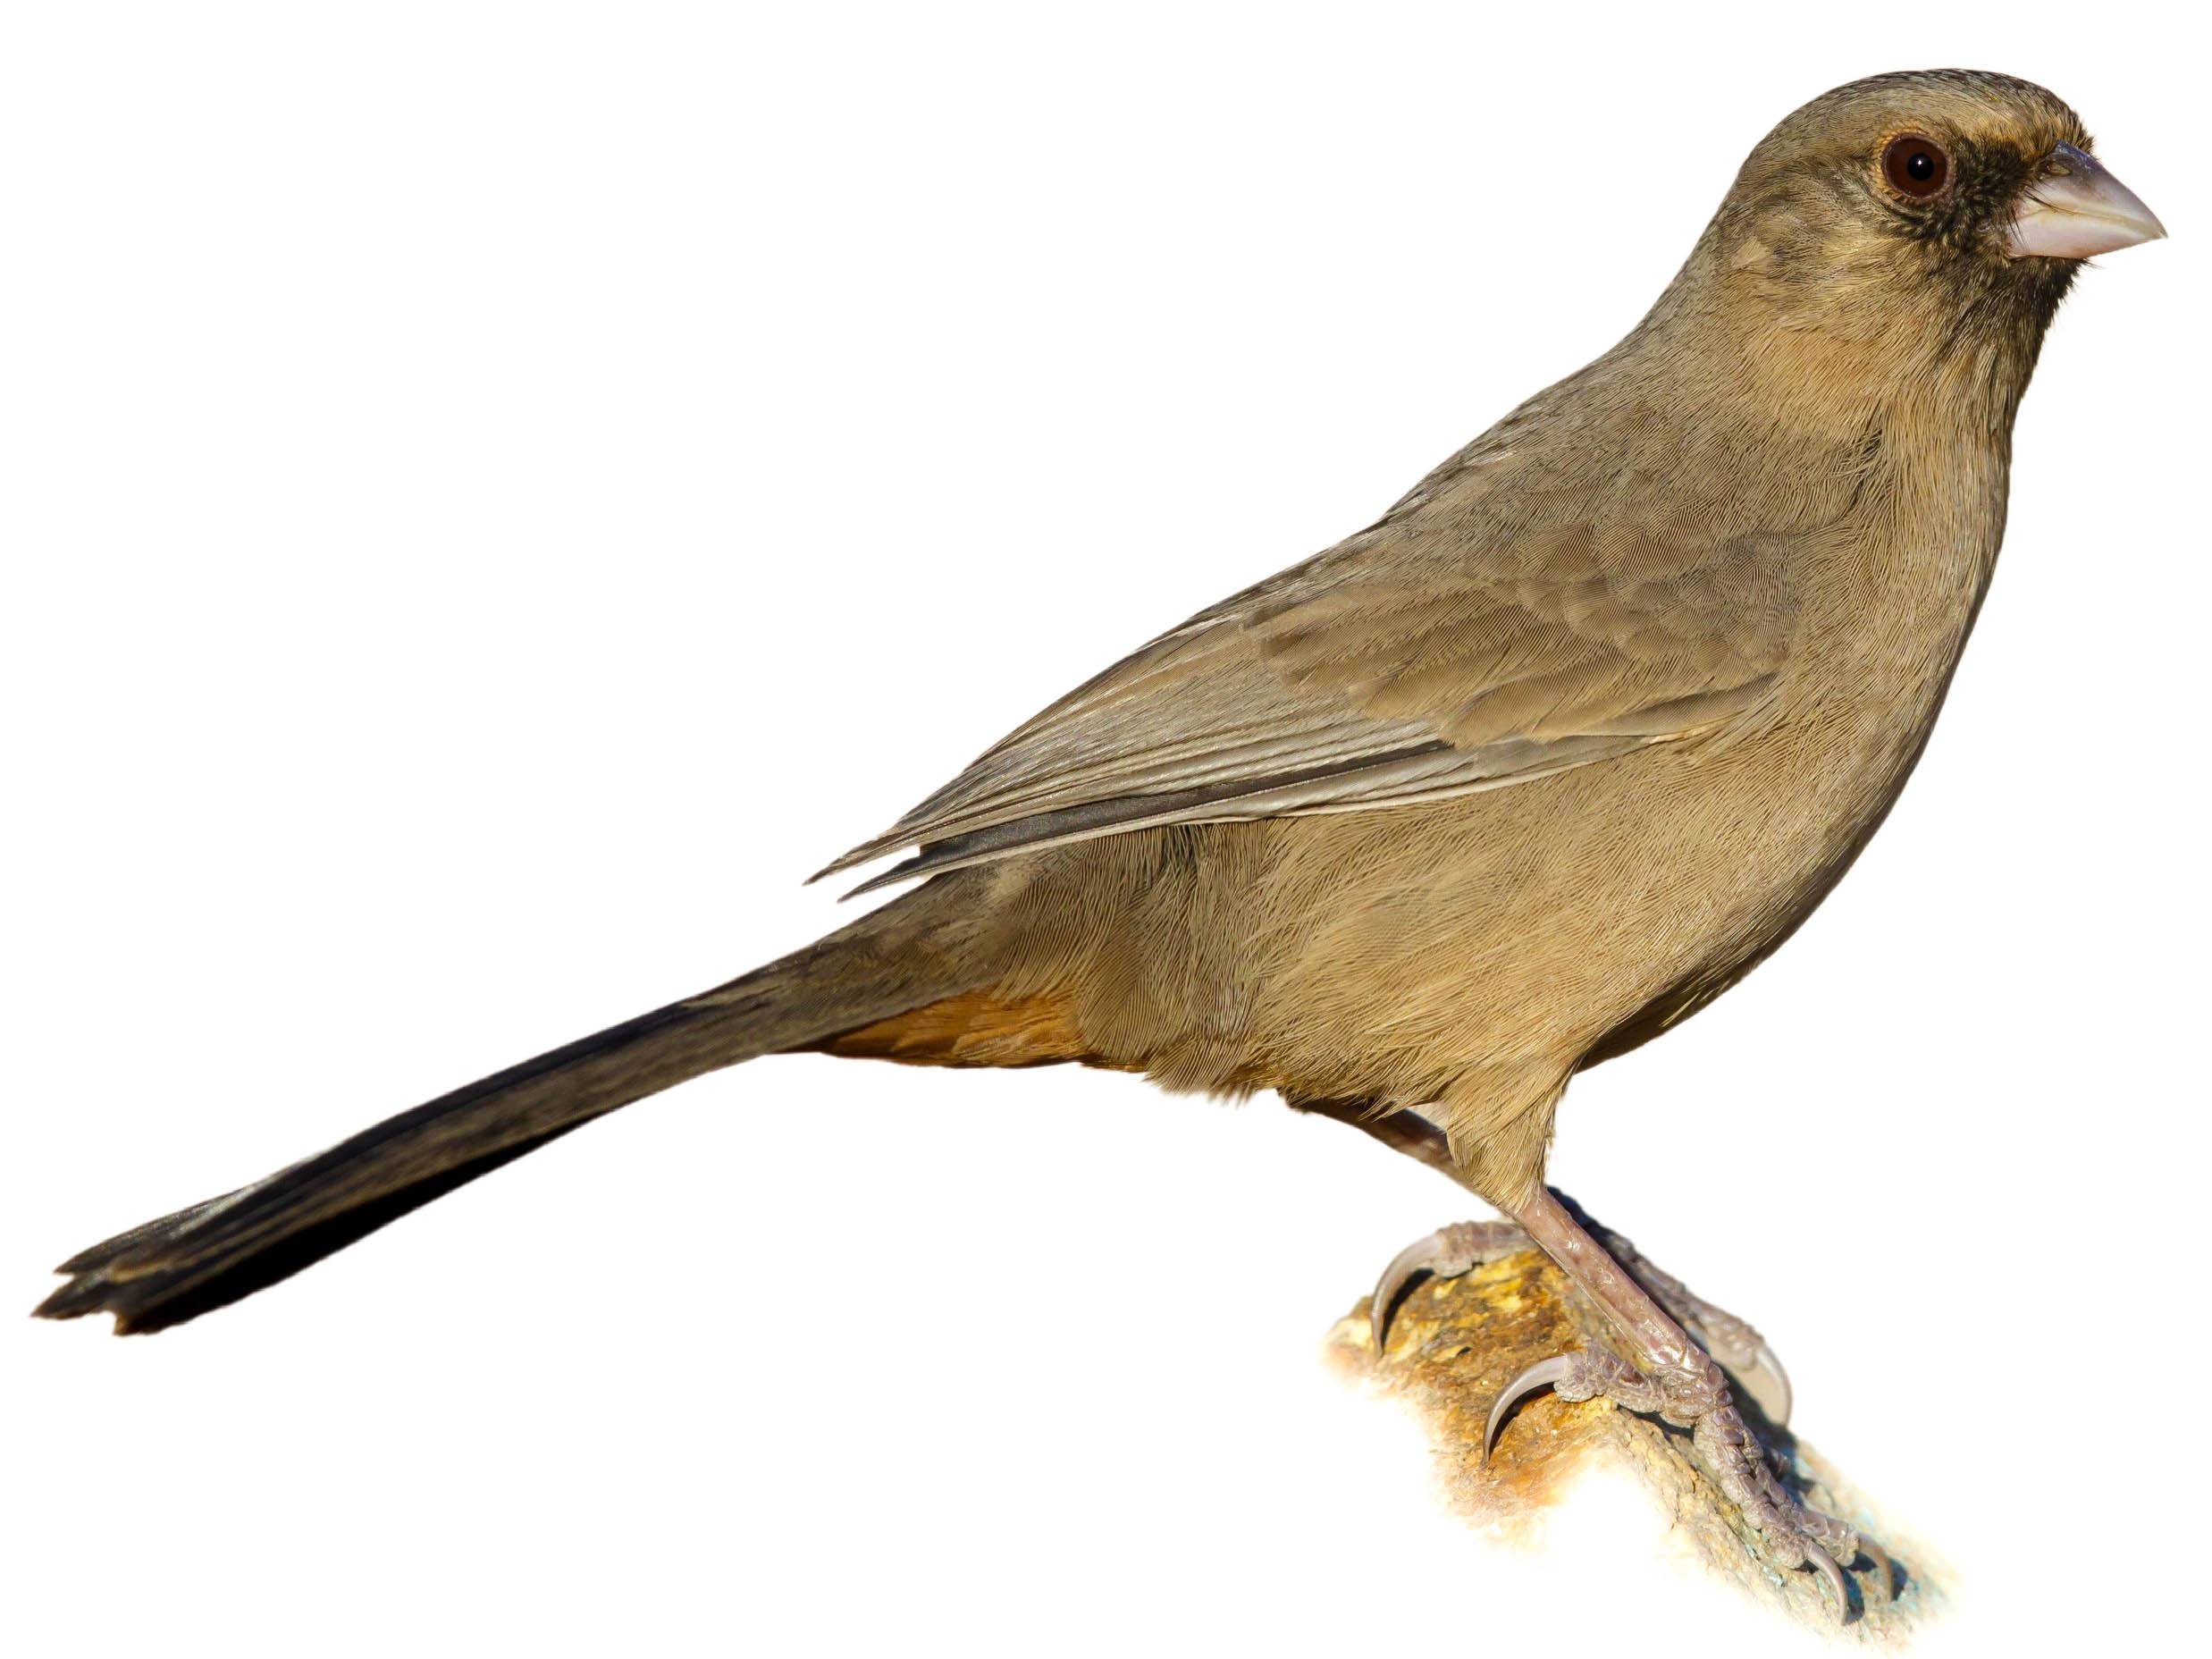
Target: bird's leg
[
  {"x": 1734, "y": 1343},
  {"x": 1667, "y": 1374},
  {"x": 1673, "y": 1374},
  {"x": 1464, "y": 1245},
  {"x": 1402, "y": 1131}
]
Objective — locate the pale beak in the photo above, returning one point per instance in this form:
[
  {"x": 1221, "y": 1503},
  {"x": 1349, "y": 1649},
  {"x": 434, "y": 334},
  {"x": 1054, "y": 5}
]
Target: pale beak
[{"x": 2076, "y": 209}]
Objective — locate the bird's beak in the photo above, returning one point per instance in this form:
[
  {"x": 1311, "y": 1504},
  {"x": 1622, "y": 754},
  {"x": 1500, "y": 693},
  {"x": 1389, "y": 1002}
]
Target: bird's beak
[{"x": 2076, "y": 209}]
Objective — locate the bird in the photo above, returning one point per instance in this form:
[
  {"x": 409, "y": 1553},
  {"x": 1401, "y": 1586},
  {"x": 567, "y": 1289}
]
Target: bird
[{"x": 1504, "y": 786}]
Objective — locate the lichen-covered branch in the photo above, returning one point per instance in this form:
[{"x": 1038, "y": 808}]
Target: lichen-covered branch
[{"x": 1454, "y": 1344}]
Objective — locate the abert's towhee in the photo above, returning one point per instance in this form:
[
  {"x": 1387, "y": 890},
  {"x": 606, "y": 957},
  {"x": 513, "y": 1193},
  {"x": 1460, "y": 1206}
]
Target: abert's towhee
[{"x": 1506, "y": 784}]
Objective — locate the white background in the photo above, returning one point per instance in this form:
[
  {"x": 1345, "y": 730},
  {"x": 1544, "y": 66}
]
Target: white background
[{"x": 494, "y": 495}]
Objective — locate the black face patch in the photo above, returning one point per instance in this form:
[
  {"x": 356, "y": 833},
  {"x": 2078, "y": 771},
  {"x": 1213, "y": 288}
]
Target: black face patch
[{"x": 1976, "y": 200}]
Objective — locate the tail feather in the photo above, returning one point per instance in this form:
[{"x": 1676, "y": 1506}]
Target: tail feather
[
  {"x": 171, "y": 1269},
  {"x": 184, "y": 1281}
]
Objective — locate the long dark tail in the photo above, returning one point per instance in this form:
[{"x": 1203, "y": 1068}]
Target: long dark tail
[{"x": 162, "y": 1272}]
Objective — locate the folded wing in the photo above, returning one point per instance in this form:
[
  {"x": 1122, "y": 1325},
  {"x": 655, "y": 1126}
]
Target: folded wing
[{"x": 1384, "y": 671}]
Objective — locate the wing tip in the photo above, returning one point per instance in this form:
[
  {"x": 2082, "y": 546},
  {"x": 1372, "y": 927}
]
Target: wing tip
[
  {"x": 903, "y": 870},
  {"x": 866, "y": 853}
]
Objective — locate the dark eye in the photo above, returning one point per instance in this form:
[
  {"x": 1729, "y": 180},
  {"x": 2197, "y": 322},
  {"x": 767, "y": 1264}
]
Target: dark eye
[{"x": 1916, "y": 166}]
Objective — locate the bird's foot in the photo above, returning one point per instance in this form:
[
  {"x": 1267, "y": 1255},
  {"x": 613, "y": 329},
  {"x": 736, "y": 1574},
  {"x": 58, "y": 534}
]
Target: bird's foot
[
  {"x": 1444, "y": 1254},
  {"x": 1461, "y": 1248},
  {"x": 1742, "y": 1353},
  {"x": 1693, "y": 1393}
]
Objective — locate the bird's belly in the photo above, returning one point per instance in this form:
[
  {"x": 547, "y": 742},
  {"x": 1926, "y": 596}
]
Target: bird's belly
[{"x": 1540, "y": 928}]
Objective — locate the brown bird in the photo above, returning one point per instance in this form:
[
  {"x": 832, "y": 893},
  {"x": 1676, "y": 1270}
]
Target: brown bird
[{"x": 1505, "y": 785}]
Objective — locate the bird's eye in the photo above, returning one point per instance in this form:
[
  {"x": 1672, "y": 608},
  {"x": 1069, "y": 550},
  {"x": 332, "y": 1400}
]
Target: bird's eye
[{"x": 1916, "y": 166}]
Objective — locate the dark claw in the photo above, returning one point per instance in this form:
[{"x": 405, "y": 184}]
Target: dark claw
[
  {"x": 1764, "y": 1380},
  {"x": 1544, "y": 1374},
  {"x": 1413, "y": 1260},
  {"x": 1447, "y": 1253},
  {"x": 1822, "y": 1561}
]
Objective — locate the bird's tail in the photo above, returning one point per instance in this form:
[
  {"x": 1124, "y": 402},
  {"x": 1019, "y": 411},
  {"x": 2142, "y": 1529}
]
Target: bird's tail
[{"x": 903, "y": 958}]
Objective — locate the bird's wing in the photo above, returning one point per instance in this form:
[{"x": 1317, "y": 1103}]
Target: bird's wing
[{"x": 1367, "y": 678}]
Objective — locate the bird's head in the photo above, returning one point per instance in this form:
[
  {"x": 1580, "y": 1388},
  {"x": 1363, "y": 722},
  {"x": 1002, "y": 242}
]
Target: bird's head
[{"x": 1946, "y": 209}]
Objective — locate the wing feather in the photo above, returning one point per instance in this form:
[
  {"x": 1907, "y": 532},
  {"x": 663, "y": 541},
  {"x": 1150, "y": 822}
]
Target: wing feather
[{"x": 1389, "y": 669}]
